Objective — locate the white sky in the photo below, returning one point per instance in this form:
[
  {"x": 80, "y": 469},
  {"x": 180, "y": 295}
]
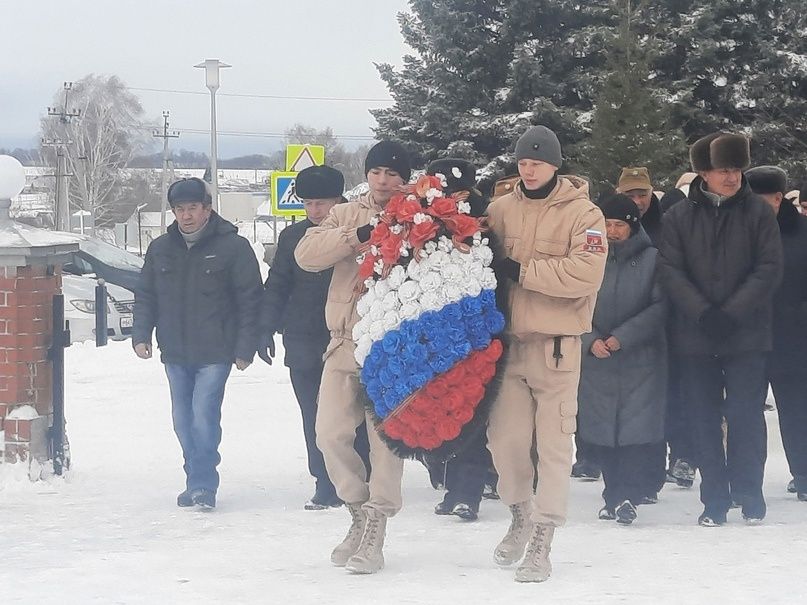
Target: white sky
[{"x": 294, "y": 47}]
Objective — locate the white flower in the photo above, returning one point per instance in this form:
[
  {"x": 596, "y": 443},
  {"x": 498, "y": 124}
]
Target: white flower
[
  {"x": 376, "y": 312},
  {"x": 390, "y": 302},
  {"x": 473, "y": 287},
  {"x": 430, "y": 301},
  {"x": 452, "y": 273},
  {"x": 409, "y": 291},
  {"x": 369, "y": 284},
  {"x": 456, "y": 172},
  {"x": 438, "y": 259},
  {"x": 363, "y": 346},
  {"x": 382, "y": 286},
  {"x": 396, "y": 277},
  {"x": 420, "y": 217},
  {"x": 377, "y": 330},
  {"x": 396, "y": 229},
  {"x": 391, "y": 321},
  {"x": 430, "y": 247},
  {"x": 416, "y": 269},
  {"x": 478, "y": 238},
  {"x": 442, "y": 177},
  {"x": 374, "y": 250},
  {"x": 363, "y": 306},
  {"x": 378, "y": 266},
  {"x": 488, "y": 281},
  {"x": 403, "y": 251},
  {"x": 464, "y": 208},
  {"x": 482, "y": 254},
  {"x": 453, "y": 292},
  {"x": 412, "y": 197},
  {"x": 374, "y": 221},
  {"x": 360, "y": 258},
  {"x": 445, "y": 244},
  {"x": 475, "y": 271},
  {"x": 410, "y": 310},
  {"x": 433, "y": 194},
  {"x": 430, "y": 282}
]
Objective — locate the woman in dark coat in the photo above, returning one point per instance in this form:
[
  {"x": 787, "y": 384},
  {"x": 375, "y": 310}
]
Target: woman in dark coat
[{"x": 622, "y": 392}]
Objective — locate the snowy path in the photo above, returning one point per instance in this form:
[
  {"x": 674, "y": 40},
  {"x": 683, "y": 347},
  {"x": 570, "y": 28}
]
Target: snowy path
[{"x": 111, "y": 533}]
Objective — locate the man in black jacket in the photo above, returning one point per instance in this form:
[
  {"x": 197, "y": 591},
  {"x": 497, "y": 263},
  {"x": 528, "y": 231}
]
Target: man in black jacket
[
  {"x": 294, "y": 305},
  {"x": 200, "y": 288},
  {"x": 721, "y": 260},
  {"x": 786, "y": 362}
]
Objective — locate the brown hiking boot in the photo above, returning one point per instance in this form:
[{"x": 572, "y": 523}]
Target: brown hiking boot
[
  {"x": 511, "y": 548},
  {"x": 350, "y": 544},
  {"x": 536, "y": 566},
  {"x": 369, "y": 558}
]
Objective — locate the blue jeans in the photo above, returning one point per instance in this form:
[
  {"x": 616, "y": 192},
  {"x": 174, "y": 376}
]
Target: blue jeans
[{"x": 197, "y": 392}]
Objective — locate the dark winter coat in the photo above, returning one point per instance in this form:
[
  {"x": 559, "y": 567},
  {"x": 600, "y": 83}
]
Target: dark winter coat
[
  {"x": 671, "y": 198},
  {"x": 727, "y": 256},
  {"x": 651, "y": 220},
  {"x": 294, "y": 302},
  {"x": 790, "y": 300},
  {"x": 203, "y": 301},
  {"x": 622, "y": 398}
]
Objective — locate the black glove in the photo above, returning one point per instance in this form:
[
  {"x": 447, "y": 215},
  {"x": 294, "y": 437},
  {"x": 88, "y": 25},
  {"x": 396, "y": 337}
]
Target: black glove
[
  {"x": 508, "y": 268},
  {"x": 717, "y": 324},
  {"x": 363, "y": 232},
  {"x": 266, "y": 348}
]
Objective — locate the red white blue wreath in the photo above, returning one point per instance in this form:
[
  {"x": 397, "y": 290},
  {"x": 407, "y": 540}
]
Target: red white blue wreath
[{"x": 426, "y": 338}]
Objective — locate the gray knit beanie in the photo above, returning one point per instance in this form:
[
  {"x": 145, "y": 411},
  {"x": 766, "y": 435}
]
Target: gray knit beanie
[{"x": 539, "y": 143}]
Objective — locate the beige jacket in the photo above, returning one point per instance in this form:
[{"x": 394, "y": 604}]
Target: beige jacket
[
  {"x": 561, "y": 245},
  {"x": 334, "y": 243}
]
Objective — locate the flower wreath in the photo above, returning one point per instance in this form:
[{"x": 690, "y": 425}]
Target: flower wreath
[{"x": 425, "y": 340}]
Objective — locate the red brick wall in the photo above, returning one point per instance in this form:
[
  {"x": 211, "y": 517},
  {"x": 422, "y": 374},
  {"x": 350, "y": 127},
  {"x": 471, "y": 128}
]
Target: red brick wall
[{"x": 26, "y": 328}]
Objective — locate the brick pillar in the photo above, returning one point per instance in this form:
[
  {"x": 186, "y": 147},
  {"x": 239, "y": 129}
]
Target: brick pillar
[{"x": 26, "y": 329}]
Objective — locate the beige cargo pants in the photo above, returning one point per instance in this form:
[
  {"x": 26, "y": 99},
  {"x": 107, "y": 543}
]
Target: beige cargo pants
[
  {"x": 537, "y": 403},
  {"x": 339, "y": 413}
]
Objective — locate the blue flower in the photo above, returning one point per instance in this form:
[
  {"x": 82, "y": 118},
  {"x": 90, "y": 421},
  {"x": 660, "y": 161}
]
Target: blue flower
[
  {"x": 494, "y": 321},
  {"x": 387, "y": 378},
  {"x": 451, "y": 312},
  {"x": 488, "y": 298},
  {"x": 391, "y": 342},
  {"x": 471, "y": 305}
]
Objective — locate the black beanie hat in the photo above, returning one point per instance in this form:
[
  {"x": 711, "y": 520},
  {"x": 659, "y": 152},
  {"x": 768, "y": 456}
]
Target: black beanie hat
[
  {"x": 460, "y": 174},
  {"x": 389, "y": 154},
  {"x": 767, "y": 179},
  {"x": 189, "y": 190},
  {"x": 319, "y": 183},
  {"x": 620, "y": 207}
]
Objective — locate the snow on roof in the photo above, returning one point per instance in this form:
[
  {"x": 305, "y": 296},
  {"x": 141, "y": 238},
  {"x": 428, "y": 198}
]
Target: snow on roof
[{"x": 18, "y": 235}]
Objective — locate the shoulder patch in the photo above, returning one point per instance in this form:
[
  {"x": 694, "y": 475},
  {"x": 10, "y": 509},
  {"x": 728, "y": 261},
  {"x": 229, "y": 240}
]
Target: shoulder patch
[{"x": 594, "y": 241}]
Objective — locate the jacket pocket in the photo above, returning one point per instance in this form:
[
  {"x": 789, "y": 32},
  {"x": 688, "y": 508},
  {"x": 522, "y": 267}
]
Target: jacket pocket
[
  {"x": 545, "y": 248},
  {"x": 213, "y": 275},
  {"x": 563, "y": 353}
]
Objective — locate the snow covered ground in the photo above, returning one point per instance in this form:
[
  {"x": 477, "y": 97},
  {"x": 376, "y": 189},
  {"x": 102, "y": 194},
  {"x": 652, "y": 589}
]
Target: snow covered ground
[{"x": 110, "y": 532}]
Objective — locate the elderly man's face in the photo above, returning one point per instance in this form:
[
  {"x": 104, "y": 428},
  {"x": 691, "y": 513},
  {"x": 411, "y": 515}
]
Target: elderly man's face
[
  {"x": 724, "y": 182},
  {"x": 642, "y": 198},
  {"x": 192, "y": 216}
]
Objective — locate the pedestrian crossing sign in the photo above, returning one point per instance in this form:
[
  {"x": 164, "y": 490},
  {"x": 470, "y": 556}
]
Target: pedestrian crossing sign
[
  {"x": 299, "y": 157},
  {"x": 284, "y": 198}
]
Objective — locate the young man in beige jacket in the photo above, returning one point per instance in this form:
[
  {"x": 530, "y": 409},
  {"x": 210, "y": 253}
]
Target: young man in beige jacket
[
  {"x": 335, "y": 243},
  {"x": 552, "y": 253}
]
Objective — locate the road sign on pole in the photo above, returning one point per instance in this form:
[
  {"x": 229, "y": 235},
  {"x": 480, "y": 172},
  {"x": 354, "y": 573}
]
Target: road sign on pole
[
  {"x": 284, "y": 199},
  {"x": 299, "y": 157}
]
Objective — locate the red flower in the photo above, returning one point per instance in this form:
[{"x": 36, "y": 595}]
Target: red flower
[
  {"x": 447, "y": 429},
  {"x": 379, "y": 233},
  {"x": 392, "y": 207},
  {"x": 406, "y": 211},
  {"x": 494, "y": 350},
  {"x": 464, "y": 415},
  {"x": 390, "y": 249},
  {"x": 443, "y": 207},
  {"x": 462, "y": 225},
  {"x": 421, "y": 233},
  {"x": 366, "y": 267},
  {"x": 456, "y": 374},
  {"x": 426, "y": 182}
]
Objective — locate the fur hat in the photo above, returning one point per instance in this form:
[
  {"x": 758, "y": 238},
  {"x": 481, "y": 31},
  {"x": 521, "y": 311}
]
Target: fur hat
[
  {"x": 389, "y": 154},
  {"x": 618, "y": 206},
  {"x": 767, "y": 179},
  {"x": 539, "y": 143},
  {"x": 189, "y": 190},
  {"x": 634, "y": 178},
  {"x": 319, "y": 183},
  {"x": 720, "y": 150},
  {"x": 460, "y": 174}
]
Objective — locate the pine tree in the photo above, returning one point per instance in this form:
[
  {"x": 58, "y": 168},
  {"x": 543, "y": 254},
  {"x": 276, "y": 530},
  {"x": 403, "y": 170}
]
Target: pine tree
[{"x": 629, "y": 126}]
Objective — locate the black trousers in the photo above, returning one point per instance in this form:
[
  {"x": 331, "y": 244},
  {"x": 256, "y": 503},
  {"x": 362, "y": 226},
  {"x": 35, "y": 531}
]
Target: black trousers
[
  {"x": 731, "y": 387},
  {"x": 467, "y": 472},
  {"x": 790, "y": 391},
  {"x": 628, "y": 471},
  {"x": 305, "y": 381},
  {"x": 677, "y": 429}
]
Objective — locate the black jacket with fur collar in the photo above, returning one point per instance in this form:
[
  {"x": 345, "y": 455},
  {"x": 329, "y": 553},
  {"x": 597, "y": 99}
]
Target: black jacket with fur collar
[{"x": 727, "y": 256}]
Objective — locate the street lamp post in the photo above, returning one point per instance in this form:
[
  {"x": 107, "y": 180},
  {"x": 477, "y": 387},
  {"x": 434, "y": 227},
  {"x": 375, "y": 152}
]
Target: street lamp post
[{"x": 212, "y": 67}]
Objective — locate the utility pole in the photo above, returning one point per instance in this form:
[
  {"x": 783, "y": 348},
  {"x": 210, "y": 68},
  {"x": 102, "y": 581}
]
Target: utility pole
[
  {"x": 165, "y": 134},
  {"x": 62, "y": 206}
]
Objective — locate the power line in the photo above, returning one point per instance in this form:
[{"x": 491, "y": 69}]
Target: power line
[
  {"x": 259, "y": 96},
  {"x": 266, "y": 135}
]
